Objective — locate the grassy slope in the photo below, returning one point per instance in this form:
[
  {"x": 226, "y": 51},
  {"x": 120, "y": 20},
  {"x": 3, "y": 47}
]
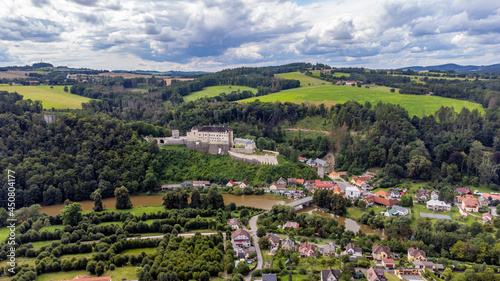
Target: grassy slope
[
  {"x": 217, "y": 90},
  {"x": 55, "y": 97},
  {"x": 313, "y": 89},
  {"x": 127, "y": 272}
]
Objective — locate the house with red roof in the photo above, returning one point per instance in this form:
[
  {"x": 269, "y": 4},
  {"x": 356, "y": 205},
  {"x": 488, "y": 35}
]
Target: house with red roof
[
  {"x": 388, "y": 263},
  {"x": 470, "y": 205},
  {"x": 334, "y": 175},
  {"x": 383, "y": 193},
  {"x": 241, "y": 238},
  {"x": 464, "y": 190},
  {"x": 290, "y": 224},
  {"x": 307, "y": 250},
  {"x": 371, "y": 199}
]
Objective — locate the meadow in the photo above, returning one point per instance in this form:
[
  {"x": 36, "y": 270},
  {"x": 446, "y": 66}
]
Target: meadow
[
  {"x": 217, "y": 90},
  {"x": 54, "y": 97},
  {"x": 316, "y": 90}
]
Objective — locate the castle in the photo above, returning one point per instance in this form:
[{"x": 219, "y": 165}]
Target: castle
[{"x": 210, "y": 139}]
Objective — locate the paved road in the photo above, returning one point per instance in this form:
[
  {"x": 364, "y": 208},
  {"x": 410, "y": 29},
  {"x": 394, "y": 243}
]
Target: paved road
[
  {"x": 253, "y": 232},
  {"x": 493, "y": 211}
]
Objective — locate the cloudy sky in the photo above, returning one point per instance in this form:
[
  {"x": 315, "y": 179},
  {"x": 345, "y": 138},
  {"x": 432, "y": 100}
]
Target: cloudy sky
[{"x": 216, "y": 34}]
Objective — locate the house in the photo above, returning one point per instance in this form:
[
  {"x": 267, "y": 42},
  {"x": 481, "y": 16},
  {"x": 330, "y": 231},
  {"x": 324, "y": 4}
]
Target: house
[
  {"x": 327, "y": 186},
  {"x": 383, "y": 194},
  {"x": 428, "y": 265},
  {"x": 434, "y": 195},
  {"x": 274, "y": 240},
  {"x": 186, "y": 183},
  {"x": 243, "y": 184},
  {"x": 464, "y": 190},
  {"x": 288, "y": 245},
  {"x": 388, "y": 263},
  {"x": 380, "y": 252},
  {"x": 393, "y": 193},
  {"x": 167, "y": 187},
  {"x": 302, "y": 159},
  {"x": 460, "y": 199},
  {"x": 328, "y": 250},
  {"x": 300, "y": 181},
  {"x": 334, "y": 175},
  {"x": 234, "y": 223},
  {"x": 353, "y": 252},
  {"x": 248, "y": 251},
  {"x": 290, "y": 224},
  {"x": 281, "y": 181},
  {"x": 201, "y": 183},
  {"x": 373, "y": 274},
  {"x": 269, "y": 277},
  {"x": 409, "y": 274},
  {"x": 371, "y": 199},
  {"x": 90, "y": 278},
  {"x": 396, "y": 211},
  {"x": 487, "y": 218},
  {"x": 353, "y": 191},
  {"x": 292, "y": 181},
  {"x": 416, "y": 255},
  {"x": 230, "y": 183},
  {"x": 422, "y": 195},
  {"x": 337, "y": 190},
  {"x": 319, "y": 162},
  {"x": 483, "y": 201},
  {"x": 241, "y": 238},
  {"x": 470, "y": 205},
  {"x": 330, "y": 274},
  {"x": 307, "y": 250},
  {"x": 438, "y": 206}
]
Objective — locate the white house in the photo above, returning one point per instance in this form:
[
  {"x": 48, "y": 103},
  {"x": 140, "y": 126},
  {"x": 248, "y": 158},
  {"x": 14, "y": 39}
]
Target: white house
[
  {"x": 353, "y": 191},
  {"x": 241, "y": 238}
]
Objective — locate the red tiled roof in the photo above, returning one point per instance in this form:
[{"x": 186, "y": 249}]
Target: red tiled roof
[
  {"x": 382, "y": 193},
  {"x": 240, "y": 232}
]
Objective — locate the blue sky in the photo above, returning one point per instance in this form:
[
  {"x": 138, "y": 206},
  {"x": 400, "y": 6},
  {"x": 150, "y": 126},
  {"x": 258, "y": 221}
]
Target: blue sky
[{"x": 216, "y": 34}]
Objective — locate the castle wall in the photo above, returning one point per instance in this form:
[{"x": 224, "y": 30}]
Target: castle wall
[{"x": 254, "y": 158}]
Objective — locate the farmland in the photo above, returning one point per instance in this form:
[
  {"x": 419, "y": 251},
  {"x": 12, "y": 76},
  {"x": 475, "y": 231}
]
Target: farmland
[
  {"x": 54, "y": 97},
  {"x": 316, "y": 90},
  {"x": 217, "y": 90}
]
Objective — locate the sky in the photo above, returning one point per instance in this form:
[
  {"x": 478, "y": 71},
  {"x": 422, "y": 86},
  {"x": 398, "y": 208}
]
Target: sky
[{"x": 211, "y": 35}]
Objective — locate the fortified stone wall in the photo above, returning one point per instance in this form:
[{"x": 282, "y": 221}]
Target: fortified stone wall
[{"x": 254, "y": 158}]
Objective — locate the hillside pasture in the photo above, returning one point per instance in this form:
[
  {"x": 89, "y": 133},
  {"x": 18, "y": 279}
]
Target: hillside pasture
[
  {"x": 214, "y": 91},
  {"x": 54, "y": 97},
  {"x": 322, "y": 91}
]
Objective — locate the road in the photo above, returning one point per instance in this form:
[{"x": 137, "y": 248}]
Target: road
[{"x": 253, "y": 232}]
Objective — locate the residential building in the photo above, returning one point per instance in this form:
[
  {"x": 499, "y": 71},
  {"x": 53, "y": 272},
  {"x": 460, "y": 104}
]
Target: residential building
[
  {"x": 383, "y": 194},
  {"x": 234, "y": 223},
  {"x": 201, "y": 183},
  {"x": 330, "y": 274},
  {"x": 230, "y": 183},
  {"x": 288, "y": 245},
  {"x": 274, "y": 240},
  {"x": 422, "y": 195},
  {"x": 428, "y": 265},
  {"x": 337, "y": 190},
  {"x": 281, "y": 181},
  {"x": 434, "y": 195},
  {"x": 380, "y": 252},
  {"x": 353, "y": 252},
  {"x": 416, "y": 254},
  {"x": 334, "y": 175},
  {"x": 373, "y": 274},
  {"x": 438, "y": 206},
  {"x": 292, "y": 181},
  {"x": 241, "y": 238},
  {"x": 464, "y": 190},
  {"x": 388, "y": 263},
  {"x": 186, "y": 183},
  {"x": 249, "y": 251},
  {"x": 483, "y": 201},
  {"x": 353, "y": 191},
  {"x": 300, "y": 181},
  {"x": 307, "y": 250},
  {"x": 371, "y": 199},
  {"x": 328, "y": 250},
  {"x": 487, "y": 218},
  {"x": 396, "y": 211},
  {"x": 302, "y": 159},
  {"x": 269, "y": 277},
  {"x": 290, "y": 224},
  {"x": 393, "y": 193},
  {"x": 470, "y": 205}
]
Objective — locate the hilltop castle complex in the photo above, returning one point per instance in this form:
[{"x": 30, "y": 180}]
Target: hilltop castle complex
[{"x": 219, "y": 140}]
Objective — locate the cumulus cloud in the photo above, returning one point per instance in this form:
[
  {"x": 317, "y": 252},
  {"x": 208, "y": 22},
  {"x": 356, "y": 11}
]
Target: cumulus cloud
[{"x": 221, "y": 33}]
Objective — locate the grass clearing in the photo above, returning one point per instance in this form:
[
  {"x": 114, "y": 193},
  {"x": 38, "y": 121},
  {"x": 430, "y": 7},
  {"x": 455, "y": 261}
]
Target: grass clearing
[
  {"x": 40, "y": 244},
  {"x": 4, "y": 233},
  {"x": 316, "y": 90},
  {"x": 54, "y": 97},
  {"x": 137, "y": 251},
  {"x": 217, "y": 90}
]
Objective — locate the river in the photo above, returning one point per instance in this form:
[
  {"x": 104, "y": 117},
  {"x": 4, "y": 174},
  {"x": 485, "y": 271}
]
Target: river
[{"x": 257, "y": 201}]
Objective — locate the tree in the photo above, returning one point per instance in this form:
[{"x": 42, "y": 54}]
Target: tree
[
  {"x": 122, "y": 198},
  {"x": 72, "y": 214},
  {"x": 419, "y": 167},
  {"x": 96, "y": 196},
  {"x": 261, "y": 232},
  {"x": 65, "y": 89},
  {"x": 264, "y": 243},
  {"x": 448, "y": 274}
]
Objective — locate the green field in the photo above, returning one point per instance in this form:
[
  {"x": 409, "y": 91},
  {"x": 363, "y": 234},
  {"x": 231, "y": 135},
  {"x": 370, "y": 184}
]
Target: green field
[
  {"x": 217, "y": 90},
  {"x": 55, "y": 97},
  {"x": 316, "y": 90},
  {"x": 127, "y": 272}
]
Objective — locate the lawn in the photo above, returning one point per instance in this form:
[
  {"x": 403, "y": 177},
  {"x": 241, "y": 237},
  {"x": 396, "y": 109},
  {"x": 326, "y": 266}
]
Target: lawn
[
  {"x": 4, "y": 233},
  {"x": 127, "y": 272},
  {"x": 54, "y": 97},
  {"x": 138, "y": 251},
  {"x": 316, "y": 90},
  {"x": 51, "y": 228},
  {"x": 40, "y": 244},
  {"x": 136, "y": 211},
  {"x": 217, "y": 90},
  {"x": 20, "y": 261}
]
